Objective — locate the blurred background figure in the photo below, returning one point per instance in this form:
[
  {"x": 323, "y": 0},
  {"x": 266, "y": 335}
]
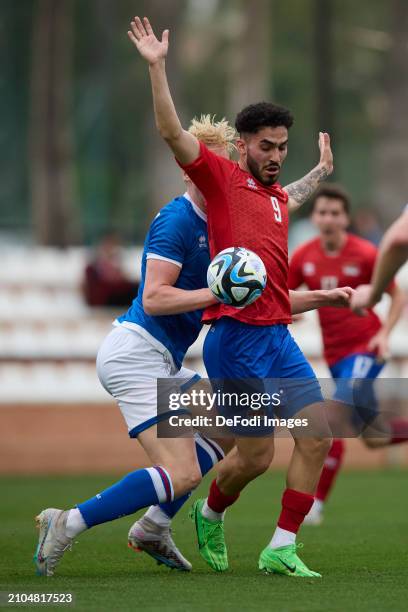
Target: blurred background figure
[
  {"x": 105, "y": 281},
  {"x": 366, "y": 224}
]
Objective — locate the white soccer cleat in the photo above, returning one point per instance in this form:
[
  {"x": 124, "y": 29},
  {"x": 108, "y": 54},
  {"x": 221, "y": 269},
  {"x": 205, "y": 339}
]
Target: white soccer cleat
[
  {"x": 52, "y": 541},
  {"x": 156, "y": 541}
]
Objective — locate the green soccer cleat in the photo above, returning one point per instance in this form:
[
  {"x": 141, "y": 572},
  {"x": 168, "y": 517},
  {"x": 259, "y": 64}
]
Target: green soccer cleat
[
  {"x": 210, "y": 536},
  {"x": 284, "y": 560}
]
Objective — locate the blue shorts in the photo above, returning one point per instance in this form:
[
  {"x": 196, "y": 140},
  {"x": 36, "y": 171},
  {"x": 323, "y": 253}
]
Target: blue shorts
[
  {"x": 260, "y": 359},
  {"x": 354, "y": 376}
]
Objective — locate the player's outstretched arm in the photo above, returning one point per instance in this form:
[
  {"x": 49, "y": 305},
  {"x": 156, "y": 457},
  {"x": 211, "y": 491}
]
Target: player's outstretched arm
[
  {"x": 300, "y": 191},
  {"x": 392, "y": 254},
  {"x": 160, "y": 297},
  {"x": 302, "y": 301},
  {"x": 379, "y": 343},
  {"x": 184, "y": 145}
]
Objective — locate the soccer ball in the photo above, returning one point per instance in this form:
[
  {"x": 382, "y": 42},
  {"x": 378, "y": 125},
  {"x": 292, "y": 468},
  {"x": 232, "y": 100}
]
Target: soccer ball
[{"x": 236, "y": 277}]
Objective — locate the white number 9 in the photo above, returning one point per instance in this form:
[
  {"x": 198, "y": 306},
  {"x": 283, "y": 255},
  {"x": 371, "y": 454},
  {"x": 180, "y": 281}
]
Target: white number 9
[{"x": 276, "y": 208}]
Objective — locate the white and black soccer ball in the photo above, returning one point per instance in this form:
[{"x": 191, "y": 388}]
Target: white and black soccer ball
[{"x": 237, "y": 277}]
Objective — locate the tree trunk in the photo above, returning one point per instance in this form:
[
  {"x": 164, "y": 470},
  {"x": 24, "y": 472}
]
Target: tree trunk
[
  {"x": 54, "y": 214},
  {"x": 391, "y": 154}
]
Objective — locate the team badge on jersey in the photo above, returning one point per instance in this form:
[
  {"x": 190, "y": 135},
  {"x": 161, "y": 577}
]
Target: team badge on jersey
[
  {"x": 251, "y": 183},
  {"x": 351, "y": 270},
  {"x": 202, "y": 242}
]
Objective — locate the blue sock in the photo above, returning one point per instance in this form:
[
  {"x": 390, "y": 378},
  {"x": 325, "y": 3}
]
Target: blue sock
[
  {"x": 208, "y": 454},
  {"x": 136, "y": 490}
]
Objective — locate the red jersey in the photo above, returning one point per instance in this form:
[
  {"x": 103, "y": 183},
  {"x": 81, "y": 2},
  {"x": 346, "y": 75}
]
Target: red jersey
[
  {"x": 242, "y": 212},
  {"x": 344, "y": 333}
]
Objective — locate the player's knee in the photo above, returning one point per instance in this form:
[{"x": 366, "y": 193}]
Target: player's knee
[
  {"x": 314, "y": 448},
  {"x": 256, "y": 464},
  {"x": 186, "y": 480},
  {"x": 375, "y": 442},
  {"x": 264, "y": 463},
  {"x": 321, "y": 447},
  {"x": 194, "y": 478}
]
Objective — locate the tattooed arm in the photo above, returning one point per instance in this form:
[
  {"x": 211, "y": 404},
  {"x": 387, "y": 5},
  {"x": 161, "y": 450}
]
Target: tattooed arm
[{"x": 300, "y": 191}]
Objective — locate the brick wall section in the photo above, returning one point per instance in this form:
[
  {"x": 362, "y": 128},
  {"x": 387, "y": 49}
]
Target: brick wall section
[{"x": 93, "y": 438}]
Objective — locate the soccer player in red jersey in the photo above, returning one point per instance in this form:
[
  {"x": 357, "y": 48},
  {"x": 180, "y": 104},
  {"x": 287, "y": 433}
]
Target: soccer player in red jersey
[
  {"x": 247, "y": 207},
  {"x": 354, "y": 346}
]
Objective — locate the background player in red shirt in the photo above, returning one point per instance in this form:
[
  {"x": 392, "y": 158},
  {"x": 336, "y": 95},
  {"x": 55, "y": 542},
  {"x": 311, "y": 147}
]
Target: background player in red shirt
[
  {"x": 354, "y": 346},
  {"x": 247, "y": 207}
]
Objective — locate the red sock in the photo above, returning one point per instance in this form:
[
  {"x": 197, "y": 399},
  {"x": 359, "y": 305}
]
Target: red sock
[
  {"x": 399, "y": 431},
  {"x": 331, "y": 467},
  {"x": 217, "y": 501},
  {"x": 295, "y": 506}
]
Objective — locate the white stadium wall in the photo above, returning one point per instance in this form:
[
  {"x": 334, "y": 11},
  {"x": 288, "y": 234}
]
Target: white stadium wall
[{"x": 54, "y": 413}]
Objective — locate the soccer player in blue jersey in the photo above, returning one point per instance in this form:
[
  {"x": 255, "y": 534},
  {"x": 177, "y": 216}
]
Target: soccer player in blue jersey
[{"x": 149, "y": 342}]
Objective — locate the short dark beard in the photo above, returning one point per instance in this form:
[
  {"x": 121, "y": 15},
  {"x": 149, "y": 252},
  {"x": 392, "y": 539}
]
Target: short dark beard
[{"x": 253, "y": 167}]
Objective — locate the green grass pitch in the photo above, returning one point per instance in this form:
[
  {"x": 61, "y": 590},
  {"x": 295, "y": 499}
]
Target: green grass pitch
[{"x": 361, "y": 550}]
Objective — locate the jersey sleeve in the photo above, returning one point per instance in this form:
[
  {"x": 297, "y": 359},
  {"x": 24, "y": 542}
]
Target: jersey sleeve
[
  {"x": 209, "y": 172},
  {"x": 295, "y": 277},
  {"x": 167, "y": 238}
]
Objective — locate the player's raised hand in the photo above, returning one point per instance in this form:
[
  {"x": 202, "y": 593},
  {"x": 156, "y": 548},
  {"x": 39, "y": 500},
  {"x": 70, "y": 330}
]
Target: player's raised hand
[
  {"x": 149, "y": 46},
  {"x": 340, "y": 297},
  {"x": 326, "y": 154}
]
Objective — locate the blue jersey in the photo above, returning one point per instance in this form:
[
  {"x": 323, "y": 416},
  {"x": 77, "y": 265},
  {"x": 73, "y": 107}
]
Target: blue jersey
[{"x": 179, "y": 235}]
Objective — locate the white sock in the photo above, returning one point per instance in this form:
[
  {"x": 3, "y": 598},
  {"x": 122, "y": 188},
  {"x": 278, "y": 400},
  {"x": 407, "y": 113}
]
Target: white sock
[
  {"x": 318, "y": 506},
  {"x": 210, "y": 514},
  {"x": 281, "y": 537},
  {"x": 75, "y": 523},
  {"x": 158, "y": 516}
]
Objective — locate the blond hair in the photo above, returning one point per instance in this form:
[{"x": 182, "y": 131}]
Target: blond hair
[{"x": 213, "y": 133}]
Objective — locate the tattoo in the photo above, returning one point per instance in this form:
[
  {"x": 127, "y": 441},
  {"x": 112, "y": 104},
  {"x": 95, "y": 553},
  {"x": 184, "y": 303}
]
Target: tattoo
[{"x": 301, "y": 190}]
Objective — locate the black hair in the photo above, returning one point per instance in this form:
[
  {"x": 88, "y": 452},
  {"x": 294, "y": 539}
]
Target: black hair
[
  {"x": 254, "y": 117},
  {"x": 333, "y": 192}
]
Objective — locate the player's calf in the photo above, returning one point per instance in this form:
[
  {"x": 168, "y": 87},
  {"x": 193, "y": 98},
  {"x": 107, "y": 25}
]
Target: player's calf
[
  {"x": 314, "y": 449},
  {"x": 250, "y": 458},
  {"x": 254, "y": 466},
  {"x": 331, "y": 467},
  {"x": 184, "y": 478},
  {"x": 307, "y": 462}
]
